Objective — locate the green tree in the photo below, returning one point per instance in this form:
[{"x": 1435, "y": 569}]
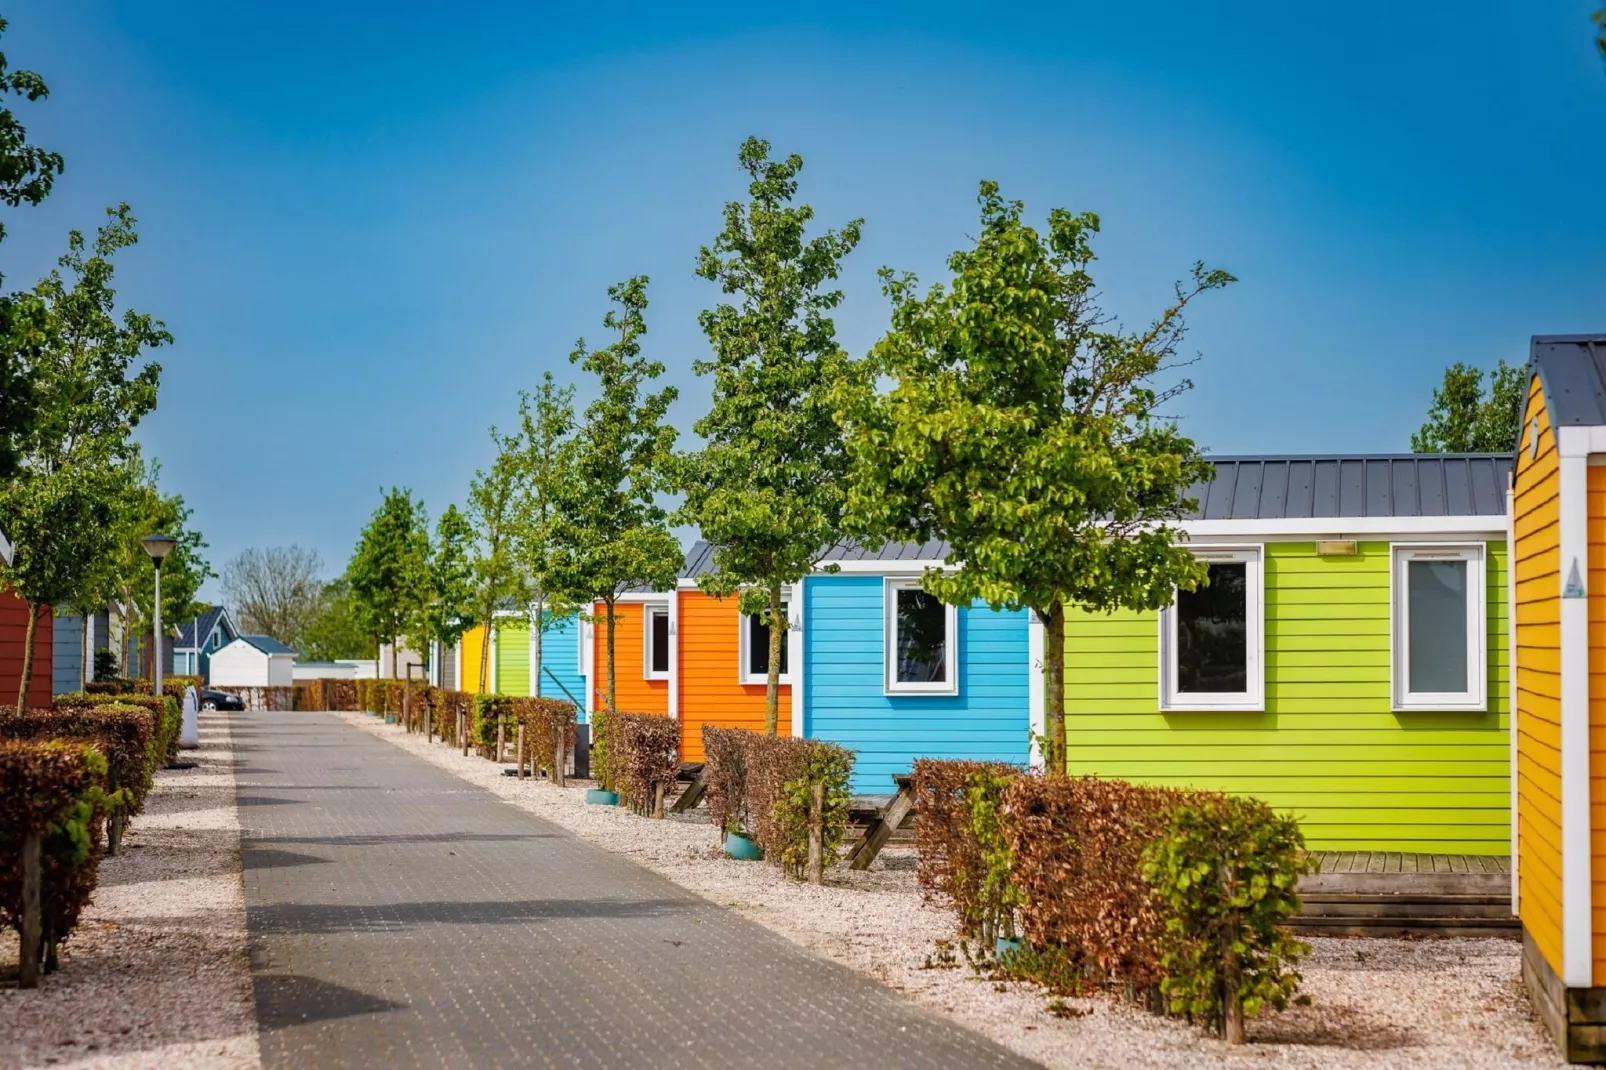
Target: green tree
[
  {"x": 546, "y": 420},
  {"x": 66, "y": 508},
  {"x": 388, "y": 571},
  {"x": 27, "y": 173},
  {"x": 1026, "y": 432},
  {"x": 493, "y": 512},
  {"x": 333, "y": 630},
  {"x": 1465, "y": 419},
  {"x": 766, "y": 490},
  {"x": 611, "y": 534},
  {"x": 147, "y": 512},
  {"x": 447, "y": 609}
]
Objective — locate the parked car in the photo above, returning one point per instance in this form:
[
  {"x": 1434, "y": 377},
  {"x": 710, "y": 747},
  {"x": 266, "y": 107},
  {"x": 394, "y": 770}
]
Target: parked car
[{"x": 221, "y": 700}]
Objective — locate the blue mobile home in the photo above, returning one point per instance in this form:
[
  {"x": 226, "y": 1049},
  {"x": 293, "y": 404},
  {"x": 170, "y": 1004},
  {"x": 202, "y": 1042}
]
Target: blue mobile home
[
  {"x": 565, "y": 661},
  {"x": 894, "y": 675}
]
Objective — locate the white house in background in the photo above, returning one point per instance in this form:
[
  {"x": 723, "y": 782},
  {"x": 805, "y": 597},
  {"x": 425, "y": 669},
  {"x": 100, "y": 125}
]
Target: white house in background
[
  {"x": 5, "y": 549},
  {"x": 339, "y": 669},
  {"x": 253, "y": 661}
]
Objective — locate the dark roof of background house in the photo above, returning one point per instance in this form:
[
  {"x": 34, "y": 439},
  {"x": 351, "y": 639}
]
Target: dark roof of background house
[
  {"x": 700, "y": 558},
  {"x": 1572, "y": 368},
  {"x": 208, "y": 621},
  {"x": 1404, "y": 485},
  {"x": 267, "y": 644}
]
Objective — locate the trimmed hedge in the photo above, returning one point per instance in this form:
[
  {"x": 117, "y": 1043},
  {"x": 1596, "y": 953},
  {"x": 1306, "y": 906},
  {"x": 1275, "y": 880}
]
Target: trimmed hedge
[
  {"x": 549, "y": 734},
  {"x": 165, "y": 711},
  {"x": 125, "y": 735},
  {"x": 53, "y": 789},
  {"x": 789, "y": 795},
  {"x": 644, "y": 749},
  {"x": 965, "y": 860}
]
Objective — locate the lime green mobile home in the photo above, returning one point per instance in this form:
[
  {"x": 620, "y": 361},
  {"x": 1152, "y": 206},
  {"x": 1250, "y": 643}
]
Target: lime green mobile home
[{"x": 1348, "y": 661}]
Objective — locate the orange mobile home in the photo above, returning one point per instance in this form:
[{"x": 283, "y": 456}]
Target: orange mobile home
[
  {"x": 722, "y": 661},
  {"x": 644, "y": 658}
]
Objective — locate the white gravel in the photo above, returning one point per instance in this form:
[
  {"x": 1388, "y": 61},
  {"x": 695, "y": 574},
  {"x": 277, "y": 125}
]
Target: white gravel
[
  {"x": 158, "y": 973},
  {"x": 1377, "y": 1003}
]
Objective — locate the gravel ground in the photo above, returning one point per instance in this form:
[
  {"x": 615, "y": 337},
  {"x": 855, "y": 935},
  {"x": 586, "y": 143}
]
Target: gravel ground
[
  {"x": 158, "y": 973},
  {"x": 1377, "y": 1003}
]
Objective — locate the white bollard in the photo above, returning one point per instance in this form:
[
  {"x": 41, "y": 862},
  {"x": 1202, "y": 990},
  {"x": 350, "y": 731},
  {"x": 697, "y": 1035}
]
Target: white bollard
[{"x": 189, "y": 733}]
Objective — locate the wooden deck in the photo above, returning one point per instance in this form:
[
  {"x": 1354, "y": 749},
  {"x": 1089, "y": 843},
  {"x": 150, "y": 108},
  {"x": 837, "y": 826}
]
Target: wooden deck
[{"x": 1396, "y": 862}]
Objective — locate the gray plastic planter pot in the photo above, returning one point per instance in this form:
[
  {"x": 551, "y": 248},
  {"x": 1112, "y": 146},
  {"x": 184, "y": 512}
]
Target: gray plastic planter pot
[{"x": 741, "y": 848}]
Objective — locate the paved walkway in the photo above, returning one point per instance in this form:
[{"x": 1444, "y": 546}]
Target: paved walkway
[{"x": 401, "y": 917}]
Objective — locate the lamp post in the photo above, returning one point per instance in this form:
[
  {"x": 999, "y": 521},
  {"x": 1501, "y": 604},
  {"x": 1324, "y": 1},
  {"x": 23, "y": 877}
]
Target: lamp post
[{"x": 158, "y": 546}]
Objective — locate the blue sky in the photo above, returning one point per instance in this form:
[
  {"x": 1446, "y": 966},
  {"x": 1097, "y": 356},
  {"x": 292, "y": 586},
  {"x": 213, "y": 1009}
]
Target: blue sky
[{"x": 369, "y": 229}]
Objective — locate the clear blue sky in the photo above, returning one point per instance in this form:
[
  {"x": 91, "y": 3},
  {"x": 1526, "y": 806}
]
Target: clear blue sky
[{"x": 368, "y": 229}]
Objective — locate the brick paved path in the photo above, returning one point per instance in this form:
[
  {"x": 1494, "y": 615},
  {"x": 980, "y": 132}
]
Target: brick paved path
[{"x": 402, "y": 917}]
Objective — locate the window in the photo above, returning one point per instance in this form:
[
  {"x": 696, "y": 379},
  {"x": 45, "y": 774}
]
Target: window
[
  {"x": 1210, "y": 638},
  {"x": 755, "y": 649},
  {"x": 921, "y": 638},
  {"x": 657, "y": 659},
  {"x": 1438, "y": 601}
]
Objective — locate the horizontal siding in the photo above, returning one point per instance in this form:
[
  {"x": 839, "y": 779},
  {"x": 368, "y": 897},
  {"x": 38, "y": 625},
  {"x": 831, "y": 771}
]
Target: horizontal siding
[
  {"x": 711, "y": 691},
  {"x": 13, "y": 635},
  {"x": 472, "y": 646},
  {"x": 845, "y": 700},
  {"x": 512, "y": 645},
  {"x": 1536, "y": 568},
  {"x": 1328, "y": 748},
  {"x": 67, "y": 655},
  {"x": 560, "y": 658},
  {"x": 635, "y": 693}
]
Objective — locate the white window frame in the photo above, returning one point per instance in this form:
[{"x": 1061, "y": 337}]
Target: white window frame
[
  {"x": 1476, "y": 697},
  {"x": 647, "y": 611},
  {"x": 889, "y": 614},
  {"x": 746, "y": 678},
  {"x": 1252, "y": 700}
]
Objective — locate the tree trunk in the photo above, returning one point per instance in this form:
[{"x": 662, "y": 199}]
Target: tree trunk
[
  {"x": 1054, "y": 658},
  {"x": 114, "y": 831},
  {"x": 32, "y": 914},
  {"x": 612, "y": 693},
  {"x": 393, "y": 658},
  {"x": 560, "y": 758},
  {"x": 772, "y": 679},
  {"x": 658, "y": 800},
  {"x": 27, "y": 657},
  {"x": 535, "y": 644},
  {"x": 1232, "y": 1003},
  {"x": 816, "y": 872}
]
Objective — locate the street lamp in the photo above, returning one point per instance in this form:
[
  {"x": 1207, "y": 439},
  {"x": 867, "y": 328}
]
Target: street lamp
[{"x": 158, "y": 546}]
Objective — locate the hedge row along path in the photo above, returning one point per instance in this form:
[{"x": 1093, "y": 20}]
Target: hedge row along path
[{"x": 399, "y": 917}]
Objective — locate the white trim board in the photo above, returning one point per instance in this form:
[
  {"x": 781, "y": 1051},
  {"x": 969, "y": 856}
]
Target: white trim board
[
  {"x": 5, "y": 549},
  {"x": 1577, "y": 895}
]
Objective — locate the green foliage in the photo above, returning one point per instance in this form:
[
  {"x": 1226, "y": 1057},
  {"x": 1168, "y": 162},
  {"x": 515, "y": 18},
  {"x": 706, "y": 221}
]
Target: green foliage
[
  {"x": 389, "y": 569},
  {"x": 1225, "y": 871},
  {"x": 609, "y": 533},
  {"x": 997, "y": 897},
  {"x": 1027, "y": 432},
  {"x": 106, "y": 666},
  {"x": 332, "y": 630},
  {"x": 492, "y": 511},
  {"x": 965, "y": 859},
  {"x": 766, "y": 488},
  {"x": 546, "y": 421},
  {"x": 27, "y": 172},
  {"x": 447, "y": 607},
  {"x": 1465, "y": 419},
  {"x": 54, "y": 788},
  {"x": 817, "y": 763}
]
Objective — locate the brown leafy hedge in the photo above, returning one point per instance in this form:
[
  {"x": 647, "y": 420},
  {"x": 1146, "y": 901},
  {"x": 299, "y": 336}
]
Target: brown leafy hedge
[
  {"x": 53, "y": 789},
  {"x": 644, "y": 755},
  {"x": 549, "y": 734},
  {"x": 124, "y": 734},
  {"x": 957, "y": 841},
  {"x": 165, "y": 712}
]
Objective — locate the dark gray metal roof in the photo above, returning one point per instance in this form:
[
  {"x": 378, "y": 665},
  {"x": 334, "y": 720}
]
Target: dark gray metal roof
[
  {"x": 186, "y": 629},
  {"x": 700, "y": 558},
  {"x": 267, "y": 644},
  {"x": 1405, "y": 485},
  {"x": 1572, "y": 368}
]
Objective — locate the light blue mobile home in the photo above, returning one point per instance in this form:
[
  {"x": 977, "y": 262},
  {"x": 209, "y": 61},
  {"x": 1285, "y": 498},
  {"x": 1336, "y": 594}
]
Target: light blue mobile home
[{"x": 894, "y": 675}]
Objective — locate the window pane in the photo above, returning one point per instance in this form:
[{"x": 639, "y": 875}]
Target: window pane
[
  {"x": 922, "y": 638},
  {"x": 1437, "y": 615},
  {"x": 660, "y": 640},
  {"x": 1213, "y": 633},
  {"x": 758, "y": 646}
]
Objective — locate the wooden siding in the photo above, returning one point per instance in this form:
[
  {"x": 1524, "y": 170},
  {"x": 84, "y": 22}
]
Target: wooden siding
[
  {"x": 709, "y": 639},
  {"x": 13, "y": 632},
  {"x": 473, "y": 646},
  {"x": 1596, "y": 586},
  {"x": 633, "y": 691},
  {"x": 846, "y": 703},
  {"x": 1328, "y": 746},
  {"x": 512, "y": 658},
  {"x": 560, "y": 658},
  {"x": 67, "y": 654},
  {"x": 1536, "y": 562}
]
